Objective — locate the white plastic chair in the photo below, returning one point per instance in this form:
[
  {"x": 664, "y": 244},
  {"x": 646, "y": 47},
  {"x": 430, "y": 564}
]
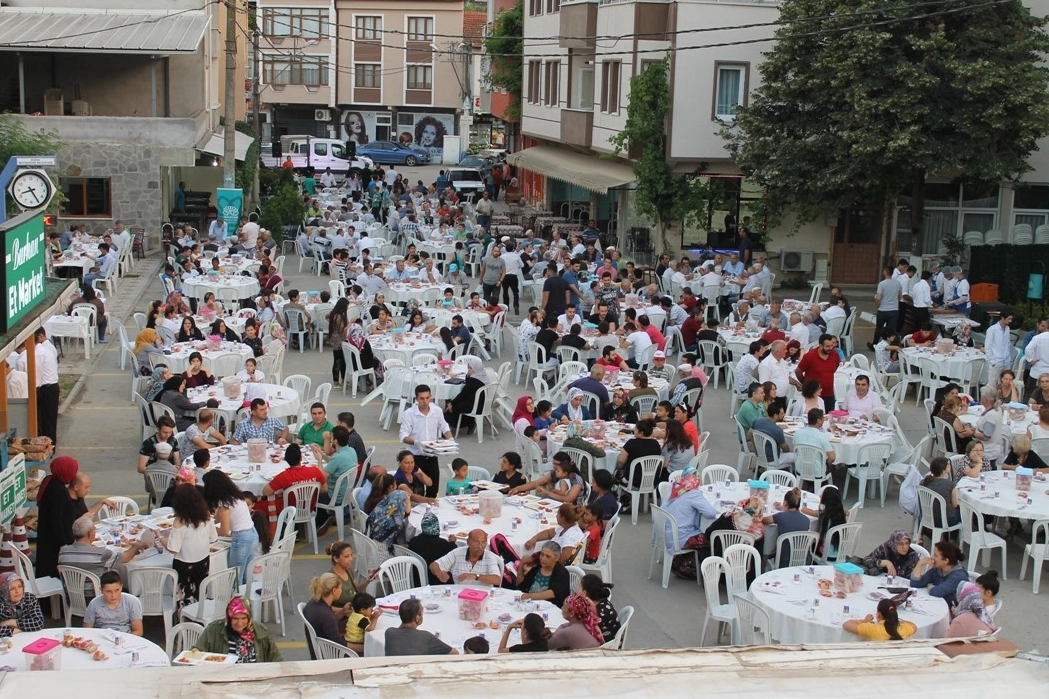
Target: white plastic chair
[
  {"x": 810, "y": 463},
  {"x": 301, "y": 384},
  {"x": 714, "y": 359},
  {"x": 322, "y": 648},
  {"x": 355, "y": 370},
  {"x": 932, "y": 507},
  {"x": 978, "y": 539},
  {"x": 740, "y": 558},
  {"x": 847, "y": 537},
  {"x": 753, "y": 623},
  {"x": 661, "y": 552},
  {"x": 265, "y": 587},
  {"x": 395, "y": 574},
  {"x": 47, "y": 587},
  {"x": 344, "y": 489},
  {"x": 721, "y": 539},
  {"x": 648, "y": 466},
  {"x": 713, "y": 568},
  {"x": 285, "y": 523},
  {"x": 155, "y": 588},
  {"x": 783, "y": 478},
  {"x": 123, "y": 506},
  {"x": 483, "y": 409},
  {"x": 868, "y": 469},
  {"x": 184, "y": 636},
  {"x": 1037, "y": 552},
  {"x": 575, "y": 574},
  {"x": 800, "y": 546},
  {"x": 644, "y": 404},
  {"x": 75, "y": 580},
  {"x": 718, "y": 473},
  {"x": 602, "y": 565},
  {"x": 216, "y": 591},
  {"x": 304, "y": 494},
  {"x": 619, "y": 640}
]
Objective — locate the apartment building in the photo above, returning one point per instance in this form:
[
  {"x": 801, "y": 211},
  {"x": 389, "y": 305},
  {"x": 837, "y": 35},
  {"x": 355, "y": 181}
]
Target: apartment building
[
  {"x": 577, "y": 89},
  {"x": 362, "y": 71},
  {"x": 132, "y": 88}
]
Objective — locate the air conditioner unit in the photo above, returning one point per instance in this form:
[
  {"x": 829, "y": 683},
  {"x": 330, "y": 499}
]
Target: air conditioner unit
[
  {"x": 795, "y": 261},
  {"x": 321, "y": 115}
]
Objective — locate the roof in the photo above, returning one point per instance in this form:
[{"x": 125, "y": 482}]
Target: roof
[
  {"x": 214, "y": 143},
  {"x": 57, "y": 293},
  {"x": 473, "y": 25},
  {"x": 595, "y": 174},
  {"x": 116, "y": 31}
]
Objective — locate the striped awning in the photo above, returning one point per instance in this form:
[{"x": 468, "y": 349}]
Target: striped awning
[
  {"x": 595, "y": 174},
  {"x": 101, "y": 31}
]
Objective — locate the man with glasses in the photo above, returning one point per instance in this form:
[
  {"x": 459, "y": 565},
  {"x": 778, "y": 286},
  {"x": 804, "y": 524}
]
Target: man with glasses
[{"x": 423, "y": 423}]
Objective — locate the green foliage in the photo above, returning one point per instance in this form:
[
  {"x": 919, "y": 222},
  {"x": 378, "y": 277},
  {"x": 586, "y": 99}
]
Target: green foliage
[
  {"x": 272, "y": 179},
  {"x": 245, "y": 172},
  {"x": 858, "y": 115},
  {"x": 16, "y": 139},
  {"x": 285, "y": 208},
  {"x": 504, "y": 46}
]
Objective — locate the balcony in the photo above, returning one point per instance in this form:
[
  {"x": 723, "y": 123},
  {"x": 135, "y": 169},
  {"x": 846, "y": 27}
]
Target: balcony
[
  {"x": 578, "y": 20},
  {"x": 577, "y": 127}
]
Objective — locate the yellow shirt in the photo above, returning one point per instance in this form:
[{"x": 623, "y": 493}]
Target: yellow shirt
[
  {"x": 355, "y": 629},
  {"x": 874, "y": 631}
]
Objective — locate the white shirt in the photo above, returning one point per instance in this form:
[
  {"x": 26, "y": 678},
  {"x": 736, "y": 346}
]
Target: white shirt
[
  {"x": 251, "y": 230},
  {"x": 961, "y": 289},
  {"x": 17, "y": 384},
  {"x": 258, "y": 376},
  {"x": 800, "y": 332},
  {"x": 421, "y": 427},
  {"x": 192, "y": 544},
  {"x": 948, "y": 289},
  {"x": 921, "y": 295},
  {"x": 391, "y": 176},
  {"x": 778, "y": 372},
  {"x": 833, "y": 312},
  {"x": 513, "y": 262},
  {"x": 639, "y": 341},
  {"x": 46, "y": 364},
  {"x": 999, "y": 345},
  {"x": 339, "y": 241},
  {"x": 905, "y": 281},
  {"x": 328, "y": 179},
  {"x": 563, "y": 322},
  {"x": 578, "y": 250},
  {"x": 1037, "y": 354},
  {"x": 861, "y": 407},
  {"x": 366, "y": 243}
]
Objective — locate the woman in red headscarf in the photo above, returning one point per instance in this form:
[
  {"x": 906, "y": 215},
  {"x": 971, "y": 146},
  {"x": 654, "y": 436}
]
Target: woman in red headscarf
[
  {"x": 582, "y": 627},
  {"x": 57, "y": 513},
  {"x": 524, "y": 414}
]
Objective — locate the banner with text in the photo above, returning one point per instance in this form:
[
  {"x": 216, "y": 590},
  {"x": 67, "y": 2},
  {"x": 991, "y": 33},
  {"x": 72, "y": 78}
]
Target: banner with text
[
  {"x": 230, "y": 203},
  {"x": 23, "y": 270}
]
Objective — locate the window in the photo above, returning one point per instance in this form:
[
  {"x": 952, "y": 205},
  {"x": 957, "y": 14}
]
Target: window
[
  {"x": 307, "y": 23},
  {"x": 420, "y": 77},
  {"x": 367, "y": 75},
  {"x": 610, "y": 86},
  {"x": 535, "y": 8},
  {"x": 553, "y": 6},
  {"x": 86, "y": 196},
  {"x": 307, "y": 70},
  {"x": 951, "y": 209},
  {"x": 552, "y": 89},
  {"x": 534, "y": 68},
  {"x": 1031, "y": 205},
  {"x": 420, "y": 29},
  {"x": 730, "y": 89},
  {"x": 369, "y": 28},
  {"x": 320, "y": 148}
]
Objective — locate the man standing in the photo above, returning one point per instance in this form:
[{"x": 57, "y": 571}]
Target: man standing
[
  {"x": 422, "y": 423},
  {"x": 493, "y": 271},
  {"x": 555, "y": 293},
  {"x": 746, "y": 245},
  {"x": 998, "y": 347},
  {"x": 888, "y": 299},
  {"x": 820, "y": 363},
  {"x": 1037, "y": 355},
  {"x": 408, "y": 638},
  {"x": 484, "y": 209},
  {"x": 959, "y": 300},
  {"x": 921, "y": 299},
  {"x": 46, "y": 386}
]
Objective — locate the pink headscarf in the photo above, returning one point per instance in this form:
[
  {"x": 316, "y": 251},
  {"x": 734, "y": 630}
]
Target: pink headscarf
[
  {"x": 586, "y": 614},
  {"x": 236, "y": 606},
  {"x": 188, "y": 475}
]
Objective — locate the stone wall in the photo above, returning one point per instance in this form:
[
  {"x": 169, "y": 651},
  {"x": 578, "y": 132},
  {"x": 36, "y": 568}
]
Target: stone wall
[{"x": 134, "y": 173}]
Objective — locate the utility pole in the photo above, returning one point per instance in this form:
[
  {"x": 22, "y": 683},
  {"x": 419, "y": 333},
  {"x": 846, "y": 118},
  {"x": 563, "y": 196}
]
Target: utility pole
[
  {"x": 229, "y": 152},
  {"x": 255, "y": 198}
]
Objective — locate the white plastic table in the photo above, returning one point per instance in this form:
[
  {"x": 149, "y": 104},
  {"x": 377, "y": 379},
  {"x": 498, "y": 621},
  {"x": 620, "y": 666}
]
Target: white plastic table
[
  {"x": 233, "y": 460},
  {"x": 283, "y": 400},
  {"x": 1013, "y": 427},
  {"x": 527, "y": 509},
  {"x": 846, "y": 447},
  {"x": 149, "y": 653},
  {"x": 178, "y": 359},
  {"x": 954, "y": 365},
  {"x": 388, "y": 346},
  {"x": 444, "y": 618},
  {"x": 1008, "y": 503},
  {"x": 790, "y": 607},
  {"x": 727, "y": 497},
  {"x": 116, "y": 533},
  {"x": 198, "y": 287},
  {"x": 70, "y": 326},
  {"x": 425, "y": 294}
]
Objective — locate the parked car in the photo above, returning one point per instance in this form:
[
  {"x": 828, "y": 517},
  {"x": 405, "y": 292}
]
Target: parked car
[
  {"x": 319, "y": 153},
  {"x": 468, "y": 182},
  {"x": 480, "y": 162},
  {"x": 392, "y": 152}
]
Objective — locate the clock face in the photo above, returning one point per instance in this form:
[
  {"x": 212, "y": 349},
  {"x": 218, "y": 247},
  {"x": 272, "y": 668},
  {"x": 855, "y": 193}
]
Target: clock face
[{"x": 31, "y": 190}]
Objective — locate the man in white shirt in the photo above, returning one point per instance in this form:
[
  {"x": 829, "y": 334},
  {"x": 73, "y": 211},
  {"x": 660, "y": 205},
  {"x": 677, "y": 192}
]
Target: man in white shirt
[
  {"x": 472, "y": 563},
  {"x": 1037, "y": 355},
  {"x": 949, "y": 282},
  {"x": 371, "y": 283},
  {"x": 366, "y": 243},
  {"x": 798, "y": 331},
  {"x": 959, "y": 300},
  {"x": 217, "y": 230},
  {"x": 391, "y": 176},
  {"x": 921, "y": 299},
  {"x": 906, "y": 279},
  {"x": 638, "y": 341},
  {"x": 999, "y": 348},
  {"x": 429, "y": 273},
  {"x": 861, "y": 401},
  {"x": 46, "y": 385},
  {"x": 566, "y": 320},
  {"x": 900, "y": 270},
  {"x": 328, "y": 178},
  {"x": 340, "y": 241},
  {"x": 422, "y": 423},
  {"x": 578, "y": 250},
  {"x": 774, "y": 368},
  {"x": 122, "y": 237}
]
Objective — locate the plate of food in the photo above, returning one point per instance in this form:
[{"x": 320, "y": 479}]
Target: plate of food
[
  {"x": 875, "y": 596},
  {"x": 487, "y": 485},
  {"x": 432, "y": 607},
  {"x": 197, "y": 657}
]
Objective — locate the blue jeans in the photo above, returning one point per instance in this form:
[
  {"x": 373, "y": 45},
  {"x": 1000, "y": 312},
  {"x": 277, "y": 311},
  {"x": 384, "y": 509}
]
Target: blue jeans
[{"x": 242, "y": 550}]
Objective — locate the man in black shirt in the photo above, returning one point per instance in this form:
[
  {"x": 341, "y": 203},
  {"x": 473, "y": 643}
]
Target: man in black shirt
[
  {"x": 547, "y": 337},
  {"x": 555, "y": 293},
  {"x": 664, "y": 260},
  {"x": 602, "y": 312},
  {"x": 575, "y": 339},
  {"x": 709, "y": 332}
]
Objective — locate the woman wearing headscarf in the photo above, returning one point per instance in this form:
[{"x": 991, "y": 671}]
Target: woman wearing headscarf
[
  {"x": 57, "y": 512},
  {"x": 155, "y": 385},
  {"x": 430, "y": 544},
  {"x": 582, "y": 627},
  {"x": 893, "y": 557},
  {"x": 19, "y": 610},
  {"x": 147, "y": 343},
  {"x": 186, "y": 474},
  {"x": 688, "y": 506},
  {"x": 573, "y": 409},
  {"x": 239, "y": 635},
  {"x": 619, "y": 409},
  {"x": 175, "y": 300},
  {"x": 974, "y": 612},
  {"x": 356, "y": 336},
  {"x": 524, "y": 415},
  {"x": 457, "y": 408}
]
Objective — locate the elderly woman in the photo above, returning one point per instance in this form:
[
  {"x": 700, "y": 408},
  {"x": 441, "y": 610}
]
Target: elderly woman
[
  {"x": 174, "y": 396},
  {"x": 197, "y": 374},
  {"x": 324, "y": 590},
  {"x": 176, "y": 302},
  {"x": 543, "y": 577},
  {"x": 239, "y": 635},
  {"x": 1040, "y": 395},
  {"x": 974, "y": 612},
  {"x": 620, "y": 409},
  {"x": 19, "y": 610},
  {"x": 972, "y": 464},
  {"x": 1007, "y": 390},
  {"x": 566, "y": 534},
  {"x": 893, "y": 557},
  {"x": 582, "y": 627},
  {"x": 147, "y": 344},
  {"x": 1021, "y": 455},
  {"x": 155, "y": 385},
  {"x": 429, "y": 543},
  {"x": 457, "y": 408},
  {"x": 952, "y": 409},
  {"x": 573, "y": 409},
  {"x": 388, "y": 509}
]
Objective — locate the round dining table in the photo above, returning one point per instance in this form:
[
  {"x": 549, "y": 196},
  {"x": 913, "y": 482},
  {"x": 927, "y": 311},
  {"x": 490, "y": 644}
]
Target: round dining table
[
  {"x": 117, "y": 646},
  {"x": 954, "y": 365},
  {"x": 738, "y": 341},
  {"x": 403, "y": 292},
  {"x": 197, "y": 287},
  {"x": 232, "y": 459},
  {"x": 117, "y": 533},
  {"x": 799, "y": 614},
  {"x": 441, "y": 616},
  {"x": 177, "y": 358},
  {"x": 611, "y": 438},
  {"x": 846, "y": 438},
  {"x": 283, "y": 400},
  {"x": 405, "y": 345},
  {"x": 523, "y": 516},
  {"x": 995, "y": 494}
]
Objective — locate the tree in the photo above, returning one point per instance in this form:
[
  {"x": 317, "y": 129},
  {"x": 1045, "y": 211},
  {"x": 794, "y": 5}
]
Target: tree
[
  {"x": 504, "y": 46},
  {"x": 874, "y": 97},
  {"x": 661, "y": 195},
  {"x": 16, "y": 139},
  {"x": 284, "y": 208}
]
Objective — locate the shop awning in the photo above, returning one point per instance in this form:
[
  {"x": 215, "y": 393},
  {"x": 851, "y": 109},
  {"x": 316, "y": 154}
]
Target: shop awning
[
  {"x": 214, "y": 143},
  {"x": 57, "y": 295},
  {"x": 596, "y": 174},
  {"x": 101, "y": 31}
]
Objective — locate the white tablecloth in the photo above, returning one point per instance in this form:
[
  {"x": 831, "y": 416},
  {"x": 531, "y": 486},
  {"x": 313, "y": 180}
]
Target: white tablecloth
[
  {"x": 117, "y": 532},
  {"x": 612, "y": 442},
  {"x": 425, "y": 294},
  {"x": 70, "y": 326},
  {"x": 1008, "y": 503},
  {"x": 282, "y": 400},
  {"x": 72, "y": 659},
  {"x": 178, "y": 360},
  {"x": 1013, "y": 427},
  {"x": 738, "y": 341},
  {"x": 847, "y": 448},
  {"x": 82, "y": 264},
  {"x": 198, "y": 287},
  {"x": 233, "y": 459},
  {"x": 951, "y": 321},
  {"x": 447, "y": 623},
  {"x": 387, "y": 346},
  {"x": 527, "y": 509},
  {"x": 792, "y": 620},
  {"x": 725, "y": 498},
  {"x": 953, "y": 365}
]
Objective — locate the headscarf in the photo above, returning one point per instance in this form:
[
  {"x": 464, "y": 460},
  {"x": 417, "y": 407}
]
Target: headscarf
[
  {"x": 586, "y": 614},
  {"x": 477, "y": 366},
  {"x": 904, "y": 564},
  {"x": 6, "y": 580},
  {"x": 145, "y": 339},
  {"x": 689, "y": 481},
  {"x": 175, "y": 300},
  {"x": 573, "y": 412},
  {"x": 188, "y": 475},
  {"x": 155, "y": 385},
  {"x": 748, "y": 517},
  {"x": 522, "y": 412},
  {"x": 64, "y": 468},
  {"x": 355, "y": 335},
  {"x": 430, "y": 525},
  {"x": 240, "y": 644},
  {"x": 970, "y": 599}
]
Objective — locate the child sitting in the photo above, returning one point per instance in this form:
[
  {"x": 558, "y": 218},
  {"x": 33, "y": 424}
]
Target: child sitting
[
  {"x": 476, "y": 646},
  {"x": 363, "y": 619},
  {"x": 461, "y": 482},
  {"x": 593, "y": 517}
]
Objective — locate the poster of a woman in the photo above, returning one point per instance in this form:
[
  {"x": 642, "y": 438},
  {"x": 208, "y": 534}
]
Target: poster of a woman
[
  {"x": 355, "y": 128},
  {"x": 429, "y": 134}
]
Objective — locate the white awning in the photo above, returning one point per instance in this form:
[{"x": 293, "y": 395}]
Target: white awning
[
  {"x": 101, "y": 31},
  {"x": 595, "y": 174},
  {"x": 214, "y": 144}
]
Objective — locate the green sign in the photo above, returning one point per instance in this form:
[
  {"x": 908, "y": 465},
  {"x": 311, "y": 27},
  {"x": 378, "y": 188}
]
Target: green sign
[
  {"x": 12, "y": 488},
  {"x": 230, "y": 203},
  {"x": 23, "y": 278}
]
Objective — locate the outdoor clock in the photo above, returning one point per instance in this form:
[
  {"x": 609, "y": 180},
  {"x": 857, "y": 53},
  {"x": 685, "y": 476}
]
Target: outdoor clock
[{"x": 31, "y": 189}]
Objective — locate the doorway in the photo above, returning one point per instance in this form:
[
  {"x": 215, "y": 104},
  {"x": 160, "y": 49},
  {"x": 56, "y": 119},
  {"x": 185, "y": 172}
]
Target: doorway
[{"x": 857, "y": 247}]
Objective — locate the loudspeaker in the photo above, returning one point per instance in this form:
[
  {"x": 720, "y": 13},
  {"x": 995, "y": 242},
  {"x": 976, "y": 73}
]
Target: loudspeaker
[
  {"x": 351, "y": 149},
  {"x": 277, "y": 150}
]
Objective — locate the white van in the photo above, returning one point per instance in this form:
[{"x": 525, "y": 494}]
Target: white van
[{"x": 318, "y": 153}]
